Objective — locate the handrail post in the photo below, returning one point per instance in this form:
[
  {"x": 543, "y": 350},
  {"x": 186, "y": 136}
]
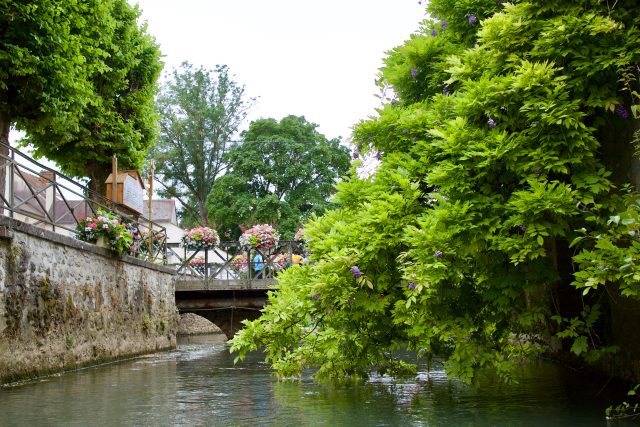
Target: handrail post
[
  {"x": 249, "y": 265},
  {"x": 206, "y": 265},
  {"x": 53, "y": 202},
  {"x": 11, "y": 179}
]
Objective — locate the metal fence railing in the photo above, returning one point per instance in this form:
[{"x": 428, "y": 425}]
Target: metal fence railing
[
  {"x": 41, "y": 196},
  {"x": 229, "y": 261}
]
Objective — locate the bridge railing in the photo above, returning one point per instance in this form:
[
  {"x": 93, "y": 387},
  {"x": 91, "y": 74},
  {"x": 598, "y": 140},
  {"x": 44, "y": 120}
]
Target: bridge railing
[
  {"x": 41, "y": 196},
  {"x": 229, "y": 261}
]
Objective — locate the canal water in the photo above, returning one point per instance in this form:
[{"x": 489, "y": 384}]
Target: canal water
[{"x": 198, "y": 385}]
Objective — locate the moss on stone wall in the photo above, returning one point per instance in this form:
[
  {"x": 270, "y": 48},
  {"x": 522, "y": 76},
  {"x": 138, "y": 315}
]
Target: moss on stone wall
[{"x": 65, "y": 308}]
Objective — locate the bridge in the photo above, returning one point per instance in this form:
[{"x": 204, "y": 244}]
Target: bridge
[
  {"x": 224, "y": 303},
  {"x": 222, "y": 284}
]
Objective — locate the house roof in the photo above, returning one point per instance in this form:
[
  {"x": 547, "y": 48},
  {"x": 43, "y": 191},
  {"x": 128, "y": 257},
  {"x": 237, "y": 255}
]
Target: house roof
[
  {"x": 163, "y": 211},
  {"x": 122, "y": 175},
  {"x": 25, "y": 183},
  {"x": 80, "y": 209},
  {"x": 26, "y": 189}
]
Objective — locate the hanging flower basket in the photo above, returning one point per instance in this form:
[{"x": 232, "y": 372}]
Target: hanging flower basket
[
  {"x": 204, "y": 237},
  {"x": 262, "y": 237}
]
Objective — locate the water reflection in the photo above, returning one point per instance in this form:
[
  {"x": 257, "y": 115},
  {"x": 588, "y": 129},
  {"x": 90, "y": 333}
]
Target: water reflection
[{"x": 198, "y": 385}]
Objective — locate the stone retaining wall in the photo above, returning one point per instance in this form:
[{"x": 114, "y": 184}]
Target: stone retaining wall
[{"x": 66, "y": 304}]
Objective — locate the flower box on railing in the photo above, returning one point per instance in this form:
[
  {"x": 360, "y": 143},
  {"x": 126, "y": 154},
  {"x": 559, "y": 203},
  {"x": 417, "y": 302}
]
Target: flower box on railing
[{"x": 107, "y": 227}]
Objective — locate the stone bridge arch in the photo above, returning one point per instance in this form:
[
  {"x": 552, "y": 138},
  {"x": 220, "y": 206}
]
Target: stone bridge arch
[
  {"x": 229, "y": 320},
  {"x": 225, "y": 309}
]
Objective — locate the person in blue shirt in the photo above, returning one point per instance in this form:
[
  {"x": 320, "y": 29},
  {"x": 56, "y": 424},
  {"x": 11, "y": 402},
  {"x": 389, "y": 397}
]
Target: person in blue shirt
[{"x": 258, "y": 265}]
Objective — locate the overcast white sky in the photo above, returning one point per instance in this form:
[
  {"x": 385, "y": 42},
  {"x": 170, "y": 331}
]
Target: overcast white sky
[{"x": 318, "y": 59}]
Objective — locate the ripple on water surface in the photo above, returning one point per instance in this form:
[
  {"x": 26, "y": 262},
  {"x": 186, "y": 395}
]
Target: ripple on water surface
[{"x": 198, "y": 384}]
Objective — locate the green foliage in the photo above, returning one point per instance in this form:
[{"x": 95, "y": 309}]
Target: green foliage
[
  {"x": 611, "y": 250},
  {"x": 494, "y": 157},
  {"x": 44, "y": 77},
  {"x": 282, "y": 173},
  {"x": 200, "y": 112},
  {"x": 109, "y": 225},
  {"x": 580, "y": 330},
  {"x": 83, "y": 90},
  {"x": 626, "y": 410}
]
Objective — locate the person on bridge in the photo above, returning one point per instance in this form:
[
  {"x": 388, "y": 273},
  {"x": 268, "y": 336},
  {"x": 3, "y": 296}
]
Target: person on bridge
[{"x": 258, "y": 265}]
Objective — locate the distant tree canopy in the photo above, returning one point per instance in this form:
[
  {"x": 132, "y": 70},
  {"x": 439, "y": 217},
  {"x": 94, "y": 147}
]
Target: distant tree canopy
[
  {"x": 79, "y": 77},
  {"x": 501, "y": 214},
  {"x": 200, "y": 112},
  {"x": 281, "y": 174}
]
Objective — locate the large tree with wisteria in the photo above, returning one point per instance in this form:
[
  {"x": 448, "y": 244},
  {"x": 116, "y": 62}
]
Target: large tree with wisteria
[{"x": 505, "y": 215}]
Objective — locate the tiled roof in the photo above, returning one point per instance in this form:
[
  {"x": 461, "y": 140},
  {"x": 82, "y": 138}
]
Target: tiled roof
[{"x": 63, "y": 212}]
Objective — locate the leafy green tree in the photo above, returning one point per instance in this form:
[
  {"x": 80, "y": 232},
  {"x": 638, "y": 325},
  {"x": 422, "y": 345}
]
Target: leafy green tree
[
  {"x": 200, "y": 112},
  {"x": 282, "y": 173},
  {"x": 81, "y": 82},
  {"x": 499, "y": 216},
  {"x": 44, "y": 80}
]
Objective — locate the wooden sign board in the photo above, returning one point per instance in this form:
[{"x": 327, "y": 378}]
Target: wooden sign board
[{"x": 130, "y": 190}]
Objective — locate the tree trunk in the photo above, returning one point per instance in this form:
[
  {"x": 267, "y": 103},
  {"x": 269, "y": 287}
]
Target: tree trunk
[
  {"x": 618, "y": 152},
  {"x": 202, "y": 210},
  {"x": 634, "y": 170},
  {"x": 98, "y": 174}
]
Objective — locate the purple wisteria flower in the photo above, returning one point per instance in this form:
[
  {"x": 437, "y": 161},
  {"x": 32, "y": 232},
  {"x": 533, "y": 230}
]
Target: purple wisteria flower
[
  {"x": 414, "y": 73},
  {"x": 378, "y": 155},
  {"x": 522, "y": 228},
  {"x": 393, "y": 101},
  {"x": 315, "y": 297},
  {"x": 355, "y": 271},
  {"x": 438, "y": 254},
  {"x": 622, "y": 112},
  {"x": 355, "y": 155},
  {"x": 491, "y": 123},
  {"x": 434, "y": 33},
  {"x": 445, "y": 90},
  {"x": 503, "y": 108},
  {"x": 472, "y": 20},
  {"x": 444, "y": 25},
  {"x": 411, "y": 286}
]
